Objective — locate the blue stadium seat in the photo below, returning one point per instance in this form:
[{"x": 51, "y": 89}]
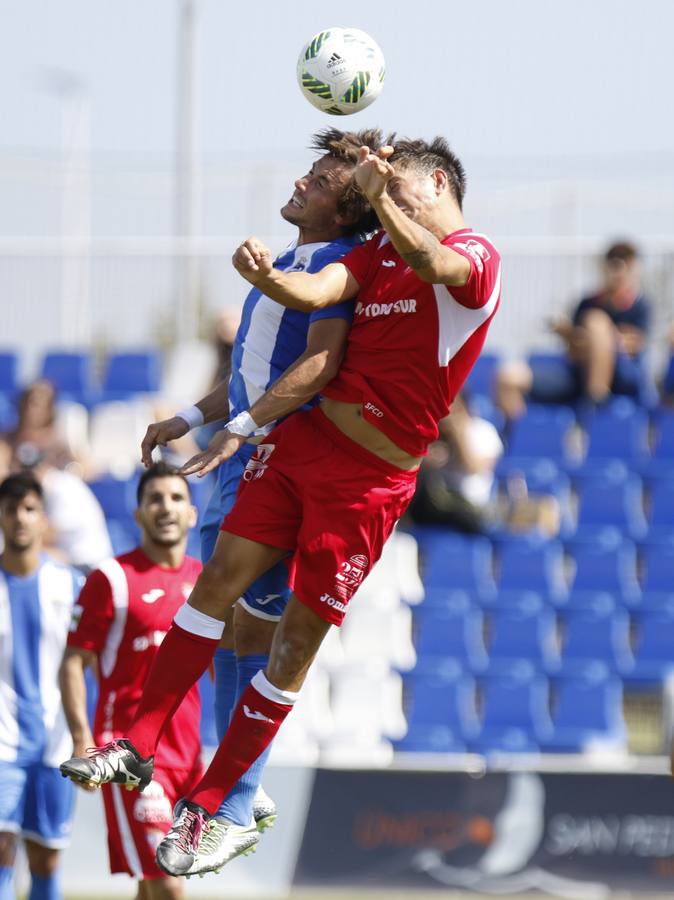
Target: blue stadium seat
[
  {"x": 661, "y": 464},
  {"x": 516, "y": 716},
  {"x": 661, "y": 515},
  {"x": 620, "y": 431},
  {"x": 124, "y": 535},
  {"x": 440, "y": 712},
  {"x": 605, "y": 569},
  {"x": 454, "y": 561},
  {"x": 549, "y": 367},
  {"x": 116, "y": 496},
  {"x": 8, "y": 413},
  {"x": 533, "y": 566},
  {"x": 9, "y": 373},
  {"x": 658, "y": 566},
  {"x": 610, "y": 501},
  {"x": 523, "y": 631},
  {"x": 653, "y": 643},
  {"x": 72, "y": 374},
  {"x": 587, "y": 714},
  {"x": 128, "y": 374},
  {"x": 542, "y": 432},
  {"x": 597, "y": 633},
  {"x": 480, "y": 381},
  {"x": 450, "y": 634}
]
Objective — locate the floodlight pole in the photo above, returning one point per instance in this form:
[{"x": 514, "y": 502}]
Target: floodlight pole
[{"x": 187, "y": 177}]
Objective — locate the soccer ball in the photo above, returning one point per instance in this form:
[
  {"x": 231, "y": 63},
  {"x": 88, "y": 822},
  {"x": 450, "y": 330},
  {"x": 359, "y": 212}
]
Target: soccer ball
[{"x": 341, "y": 71}]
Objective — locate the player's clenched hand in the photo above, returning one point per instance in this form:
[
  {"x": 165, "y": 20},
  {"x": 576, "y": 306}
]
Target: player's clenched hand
[
  {"x": 373, "y": 171},
  {"x": 159, "y": 434},
  {"x": 253, "y": 260},
  {"x": 222, "y": 445}
]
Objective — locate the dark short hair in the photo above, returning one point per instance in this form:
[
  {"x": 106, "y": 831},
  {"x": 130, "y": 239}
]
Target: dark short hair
[
  {"x": 621, "y": 251},
  {"x": 345, "y": 145},
  {"x": 158, "y": 470},
  {"x": 17, "y": 487},
  {"x": 425, "y": 156}
]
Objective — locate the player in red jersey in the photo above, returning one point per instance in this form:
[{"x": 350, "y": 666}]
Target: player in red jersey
[
  {"x": 327, "y": 486},
  {"x": 124, "y": 611}
]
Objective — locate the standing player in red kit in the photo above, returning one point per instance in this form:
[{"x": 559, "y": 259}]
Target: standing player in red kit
[
  {"x": 124, "y": 611},
  {"x": 327, "y": 486}
]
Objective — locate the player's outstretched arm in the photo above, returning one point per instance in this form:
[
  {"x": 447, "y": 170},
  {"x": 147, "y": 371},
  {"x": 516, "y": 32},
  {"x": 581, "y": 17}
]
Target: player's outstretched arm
[
  {"x": 296, "y": 290},
  {"x": 212, "y": 407},
  {"x": 301, "y": 382},
  {"x": 422, "y": 251},
  {"x": 74, "y": 699}
]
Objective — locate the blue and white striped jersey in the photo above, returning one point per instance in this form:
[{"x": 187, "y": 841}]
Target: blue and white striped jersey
[
  {"x": 35, "y": 613},
  {"x": 270, "y": 337}
]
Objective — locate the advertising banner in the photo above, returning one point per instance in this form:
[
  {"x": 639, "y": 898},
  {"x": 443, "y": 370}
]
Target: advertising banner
[{"x": 575, "y": 836}]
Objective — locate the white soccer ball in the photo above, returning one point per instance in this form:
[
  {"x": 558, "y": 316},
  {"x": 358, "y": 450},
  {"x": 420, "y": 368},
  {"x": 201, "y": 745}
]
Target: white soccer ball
[{"x": 341, "y": 71}]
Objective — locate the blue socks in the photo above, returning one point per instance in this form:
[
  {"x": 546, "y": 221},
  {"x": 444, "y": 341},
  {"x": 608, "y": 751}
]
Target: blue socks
[
  {"x": 237, "y": 806},
  {"x": 226, "y": 694},
  {"x": 44, "y": 888},
  {"x": 7, "y": 883}
]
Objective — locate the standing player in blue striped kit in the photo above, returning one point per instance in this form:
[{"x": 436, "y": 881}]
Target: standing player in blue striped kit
[
  {"x": 281, "y": 360},
  {"x": 36, "y": 598}
]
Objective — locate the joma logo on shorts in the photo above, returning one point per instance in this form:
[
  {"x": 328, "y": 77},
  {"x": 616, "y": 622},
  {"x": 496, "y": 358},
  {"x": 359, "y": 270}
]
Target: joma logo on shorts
[{"x": 326, "y": 598}]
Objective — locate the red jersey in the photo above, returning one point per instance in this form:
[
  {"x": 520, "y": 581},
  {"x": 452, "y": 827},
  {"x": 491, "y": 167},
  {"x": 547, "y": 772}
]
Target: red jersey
[
  {"x": 125, "y": 609},
  {"x": 412, "y": 344}
]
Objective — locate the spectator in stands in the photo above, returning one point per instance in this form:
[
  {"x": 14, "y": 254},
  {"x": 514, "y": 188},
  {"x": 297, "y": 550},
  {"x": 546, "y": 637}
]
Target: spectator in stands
[
  {"x": 37, "y": 425},
  {"x": 668, "y": 378},
  {"x": 457, "y": 477},
  {"x": 77, "y": 534},
  {"x": 604, "y": 341},
  {"x": 226, "y": 326}
]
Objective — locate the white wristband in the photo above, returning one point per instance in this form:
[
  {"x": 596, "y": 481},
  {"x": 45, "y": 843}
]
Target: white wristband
[
  {"x": 243, "y": 424},
  {"x": 192, "y": 415}
]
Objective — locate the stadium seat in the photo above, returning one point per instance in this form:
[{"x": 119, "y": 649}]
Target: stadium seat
[
  {"x": 117, "y": 496},
  {"x": 73, "y": 376},
  {"x": 480, "y": 381},
  {"x": 542, "y": 432},
  {"x": 618, "y": 430},
  {"x": 654, "y": 640},
  {"x": 451, "y": 634},
  {"x": 661, "y": 464},
  {"x": 367, "y": 634},
  {"x": 597, "y": 633},
  {"x": 526, "y": 630},
  {"x": 605, "y": 569},
  {"x": 533, "y": 566},
  {"x": 607, "y": 501},
  {"x": 658, "y": 566},
  {"x": 8, "y": 413},
  {"x": 440, "y": 712},
  {"x": 9, "y": 373},
  {"x": 117, "y": 430},
  {"x": 549, "y": 367},
  {"x": 661, "y": 515},
  {"x": 124, "y": 535},
  {"x": 516, "y": 718},
  {"x": 368, "y": 699},
  {"x": 454, "y": 561},
  {"x": 587, "y": 714},
  {"x": 129, "y": 374}
]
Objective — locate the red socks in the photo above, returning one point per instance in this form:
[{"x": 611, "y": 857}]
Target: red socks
[
  {"x": 256, "y": 719},
  {"x": 180, "y": 661}
]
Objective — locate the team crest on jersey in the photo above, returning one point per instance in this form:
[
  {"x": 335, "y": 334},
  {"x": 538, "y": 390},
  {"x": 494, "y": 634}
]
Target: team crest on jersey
[
  {"x": 477, "y": 252},
  {"x": 299, "y": 265},
  {"x": 257, "y": 464},
  {"x": 351, "y": 574}
]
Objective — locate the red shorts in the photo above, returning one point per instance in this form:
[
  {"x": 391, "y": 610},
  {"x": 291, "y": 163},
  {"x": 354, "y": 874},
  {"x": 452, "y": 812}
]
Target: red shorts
[
  {"x": 137, "y": 822},
  {"x": 313, "y": 491}
]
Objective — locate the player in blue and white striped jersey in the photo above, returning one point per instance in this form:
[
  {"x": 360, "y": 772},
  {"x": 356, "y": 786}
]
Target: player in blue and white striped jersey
[
  {"x": 281, "y": 360},
  {"x": 36, "y": 599}
]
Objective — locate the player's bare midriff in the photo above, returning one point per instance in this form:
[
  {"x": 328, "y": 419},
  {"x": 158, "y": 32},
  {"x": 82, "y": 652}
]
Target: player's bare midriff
[{"x": 348, "y": 417}]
